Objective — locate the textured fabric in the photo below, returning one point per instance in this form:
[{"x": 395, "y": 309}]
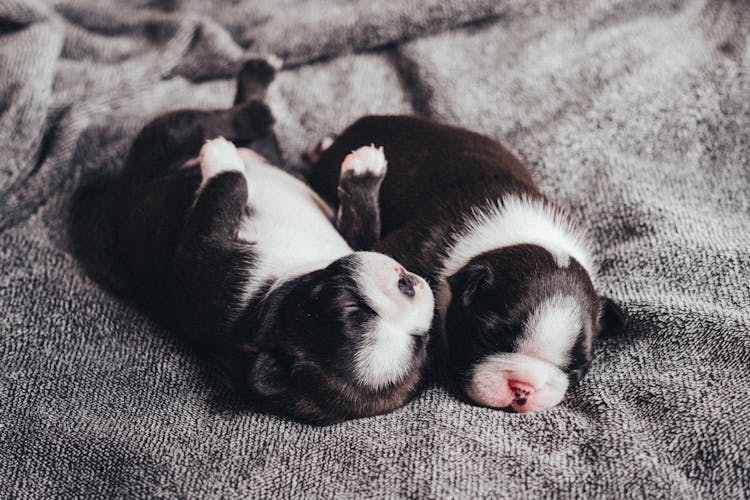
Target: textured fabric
[{"x": 633, "y": 114}]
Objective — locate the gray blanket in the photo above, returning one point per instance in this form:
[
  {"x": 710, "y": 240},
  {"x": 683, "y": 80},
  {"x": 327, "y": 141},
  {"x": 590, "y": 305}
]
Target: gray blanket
[{"x": 633, "y": 114}]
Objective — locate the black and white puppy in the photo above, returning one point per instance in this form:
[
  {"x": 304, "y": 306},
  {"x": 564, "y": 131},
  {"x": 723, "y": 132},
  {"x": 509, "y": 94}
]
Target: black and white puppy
[
  {"x": 246, "y": 260},
  {"x": 512, "y": 272}
]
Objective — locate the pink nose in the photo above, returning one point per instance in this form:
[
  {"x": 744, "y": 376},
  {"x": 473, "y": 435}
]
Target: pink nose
[{"x": 521, "y": 391}]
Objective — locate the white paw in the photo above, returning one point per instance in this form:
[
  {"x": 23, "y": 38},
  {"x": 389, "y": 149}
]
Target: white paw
[
  {"x": 275, "y": 61},
  {"x": 217, "y": 156},
  {"x": 314, "y": 152},
  {"x": 367, "y": 160},
  {"x": 325, "y": 143}
]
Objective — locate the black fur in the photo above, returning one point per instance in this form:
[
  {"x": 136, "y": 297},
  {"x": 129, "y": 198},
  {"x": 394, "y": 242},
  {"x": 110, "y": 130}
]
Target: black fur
[
  {"x": 359, "y": 217},
  {"x": 437, "y": 175},
  {"x": 493, "y": 297},
  {"x": 290, "y": 347}
]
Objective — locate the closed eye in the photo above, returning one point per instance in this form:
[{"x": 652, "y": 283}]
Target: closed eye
[{"x": 357, "y": 308}]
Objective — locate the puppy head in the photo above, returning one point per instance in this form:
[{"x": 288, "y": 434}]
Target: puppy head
[
  {"x": 344, "y": 342},
  {"x": 521, "y": 326}
]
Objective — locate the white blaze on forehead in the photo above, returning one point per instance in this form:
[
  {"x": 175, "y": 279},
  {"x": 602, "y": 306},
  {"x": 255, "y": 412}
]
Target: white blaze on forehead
[
  {"x": 552, "y": 330},
  {"x": 385, "y": 352},
  {"x": 518, "y": 220}
]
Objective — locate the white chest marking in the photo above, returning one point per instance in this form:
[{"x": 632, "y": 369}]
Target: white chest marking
[{"x": 290, "y": 226}]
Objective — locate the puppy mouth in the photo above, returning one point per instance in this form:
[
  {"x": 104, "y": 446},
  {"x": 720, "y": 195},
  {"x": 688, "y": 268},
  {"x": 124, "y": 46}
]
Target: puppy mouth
[{"x": 517, "y": 383}]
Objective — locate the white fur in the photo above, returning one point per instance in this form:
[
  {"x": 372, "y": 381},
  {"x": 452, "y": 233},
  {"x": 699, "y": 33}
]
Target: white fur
[
  {"x": 491, "y": 377},
  {"x": 292, "y": 233},
  {"x": 365, "y": 160},
  {"x": 275, "y": 61},
  {"x": 385, "y": 354},
  {"x": 551, "y": 331},
  {"x": 217, "y": 156},
  {"x": 517, "y": 220},
  {"x": 290, "y": 226}
]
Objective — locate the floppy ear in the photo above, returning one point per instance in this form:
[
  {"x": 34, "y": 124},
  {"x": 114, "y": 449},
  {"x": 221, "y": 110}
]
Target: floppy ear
[
  {"x": 613, "y": 319},
  {"x": 467, "y": 281},
  {"x": 269, "y": 374}
]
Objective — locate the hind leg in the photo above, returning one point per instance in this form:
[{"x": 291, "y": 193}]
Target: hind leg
[
  {"x": 171, "y": 139},
  {"x": 255, "y": 77},
  {"x": 252, "y": 82},
  {"x": 176, "y": 137}
]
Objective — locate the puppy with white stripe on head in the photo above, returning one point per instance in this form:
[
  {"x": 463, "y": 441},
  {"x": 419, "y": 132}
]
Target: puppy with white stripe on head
[
  {"x": 245, "y": 259},
  {"x": 512, "y": 272}
]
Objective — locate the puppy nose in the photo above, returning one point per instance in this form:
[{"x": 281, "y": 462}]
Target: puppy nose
[
  {"x": 406, "y": 284},
  {"x": 521, "y": 391}
]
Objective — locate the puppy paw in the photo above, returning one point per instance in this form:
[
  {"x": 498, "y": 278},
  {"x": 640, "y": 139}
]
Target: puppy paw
[
  {"x": 313, "y": 153},
  {"x": 261, "y": 70},
  {"x": 365, "y": 162},
  {"x": 275, "y": 61},
  {"x": 254, "y": 78},
  {"x": 217, "y": 156}
]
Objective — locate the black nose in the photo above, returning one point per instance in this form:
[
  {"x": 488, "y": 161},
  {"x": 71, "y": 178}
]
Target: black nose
[{"x": 406, "y": 284}]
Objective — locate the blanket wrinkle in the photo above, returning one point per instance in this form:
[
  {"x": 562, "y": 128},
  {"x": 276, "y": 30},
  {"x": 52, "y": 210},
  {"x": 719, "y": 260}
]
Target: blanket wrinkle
[{"x": 634, "y": 114}]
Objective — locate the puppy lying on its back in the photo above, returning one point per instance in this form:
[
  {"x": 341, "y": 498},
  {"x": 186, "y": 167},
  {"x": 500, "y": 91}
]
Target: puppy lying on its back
[
  {"x": 245, "y": 259},
  {"x": 512, "y": 272}
]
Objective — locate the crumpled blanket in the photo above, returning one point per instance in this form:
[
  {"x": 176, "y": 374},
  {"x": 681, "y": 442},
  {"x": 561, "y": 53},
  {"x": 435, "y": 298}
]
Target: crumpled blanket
[{"x": 634, "y": 114}]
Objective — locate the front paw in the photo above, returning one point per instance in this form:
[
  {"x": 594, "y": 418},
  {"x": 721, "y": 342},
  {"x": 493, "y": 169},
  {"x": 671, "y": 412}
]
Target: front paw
[
  {"x": 217, "y": 156},
  {"x": 366, "y": 165},
  {"x": 314, "y": 152}
]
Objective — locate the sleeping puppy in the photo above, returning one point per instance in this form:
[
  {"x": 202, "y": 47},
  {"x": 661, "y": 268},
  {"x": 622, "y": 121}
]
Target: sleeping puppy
[
  {"x": 245, "y": 259},
  {"x": 512, "y": 272}
]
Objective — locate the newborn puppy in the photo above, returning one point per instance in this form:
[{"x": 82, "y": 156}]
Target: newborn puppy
[
  {"x": 511, "y": 270},
  {"x": 246, "y": 261}
]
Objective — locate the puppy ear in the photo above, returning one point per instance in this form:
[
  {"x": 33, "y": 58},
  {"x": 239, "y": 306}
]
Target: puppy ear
[
  {"x": 613, "y": 319},
  {"x": 270, "y": 374},
  {"x": 470, "y": 279}
]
